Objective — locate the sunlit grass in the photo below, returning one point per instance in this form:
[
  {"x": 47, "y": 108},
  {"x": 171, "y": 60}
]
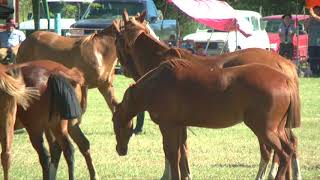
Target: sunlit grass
[{"x": 231, "y": 153}]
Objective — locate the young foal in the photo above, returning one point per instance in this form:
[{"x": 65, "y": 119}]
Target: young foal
[
  {"x": 181, "y": 93},
  {"x": 94, "y": 56},
  {"x": 55, "y": 114},
  {"x": 131, "y": 43},
  {"x": 12, "y": 92}
]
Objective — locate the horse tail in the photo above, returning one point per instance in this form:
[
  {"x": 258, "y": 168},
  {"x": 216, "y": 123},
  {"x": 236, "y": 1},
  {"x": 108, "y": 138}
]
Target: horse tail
[
  {"x": 294, "y": 110},
  {"x": 12, "y": 83},
  {"x": 64, "y": 101}
]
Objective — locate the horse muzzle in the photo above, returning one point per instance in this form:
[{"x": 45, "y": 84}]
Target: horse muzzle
[{"x": 122, "y": 151}]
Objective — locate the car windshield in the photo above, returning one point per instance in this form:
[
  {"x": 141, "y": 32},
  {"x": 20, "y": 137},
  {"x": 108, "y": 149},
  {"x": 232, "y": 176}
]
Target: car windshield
[
  {"x": 71, "y": 10},
  {"x": 104, "y": 9}
]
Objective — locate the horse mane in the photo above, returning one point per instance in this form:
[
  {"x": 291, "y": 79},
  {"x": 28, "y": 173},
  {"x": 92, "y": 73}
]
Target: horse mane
[
  {"x": 87, "y": 39},
  {"x": 14, "y": 86},
  {"x": 110, "y": 30}
]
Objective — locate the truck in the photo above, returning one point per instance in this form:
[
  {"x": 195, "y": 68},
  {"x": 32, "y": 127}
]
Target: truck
[
  {"x": 70, "y": 11},
  {"x": 217, "y": 42},
  {"x": 101, "y": 13},
  {"x": 7, "y": 10}
]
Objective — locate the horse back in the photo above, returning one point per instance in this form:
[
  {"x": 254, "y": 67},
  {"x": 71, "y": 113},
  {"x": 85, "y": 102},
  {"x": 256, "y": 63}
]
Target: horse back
[
  {"x": 199, "y": 95},
  {"x": 45, "y": 45}
]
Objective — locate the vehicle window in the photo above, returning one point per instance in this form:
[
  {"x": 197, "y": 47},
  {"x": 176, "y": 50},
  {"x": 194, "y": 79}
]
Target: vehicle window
[
  {"x": 273, "y": 25},
  {"x": 104, "y": 9},
  {"x": 255, "y": 23},
  {"x": 66, "y": 9}
]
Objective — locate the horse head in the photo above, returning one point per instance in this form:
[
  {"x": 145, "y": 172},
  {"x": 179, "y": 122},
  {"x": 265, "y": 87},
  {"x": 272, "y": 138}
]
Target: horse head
[
  {"x": 123, "y": 130},
  {"x": 123, "y": 54}
]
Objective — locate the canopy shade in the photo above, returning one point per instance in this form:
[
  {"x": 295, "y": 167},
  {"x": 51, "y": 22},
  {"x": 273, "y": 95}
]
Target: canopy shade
[{"x": 218, "y": 15}]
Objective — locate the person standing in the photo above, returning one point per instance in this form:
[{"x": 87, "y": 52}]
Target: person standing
[
  {"x": 312, "y": 25},
  {"x": 286, "y": 32},
  {"x": 10, "y": 39}
]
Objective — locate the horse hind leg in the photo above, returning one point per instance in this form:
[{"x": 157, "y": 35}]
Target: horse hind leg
[
  {"x": 6, "y": 138},
  {"x": 295, "y": 157},
  {"x": 55, "y": 152},
  {"x": 283, "y": 150},
  {"x": 37, "y": 142},
  {"x": 84, "y": 145},
  {"x": 266, "y": 152},
  {"x": 60, "y": 131}
]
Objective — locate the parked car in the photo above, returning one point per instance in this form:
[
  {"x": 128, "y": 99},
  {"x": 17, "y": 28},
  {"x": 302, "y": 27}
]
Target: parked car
[
  {"x": 101, "y": 13},
  {"x": 221, "y": 41},
  {"x": 70, "y": 11},
  {"x": 300, "y": 39}
]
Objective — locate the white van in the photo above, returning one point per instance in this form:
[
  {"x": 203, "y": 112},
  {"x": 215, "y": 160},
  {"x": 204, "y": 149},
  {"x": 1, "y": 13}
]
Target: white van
[
  {"x": 70, "y": 11},
  {"x": 221, "y": 42}
]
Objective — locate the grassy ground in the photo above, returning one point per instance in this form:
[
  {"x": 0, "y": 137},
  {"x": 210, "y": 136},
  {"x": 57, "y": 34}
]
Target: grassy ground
[{"x": 231, "y": 153}]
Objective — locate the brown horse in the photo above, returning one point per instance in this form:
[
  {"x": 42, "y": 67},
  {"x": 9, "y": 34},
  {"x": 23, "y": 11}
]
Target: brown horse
[
  {"x": 13, "y": 92},
  {"x": 54, "y": 114},
  {"x": 94, "y": 55},
  {"x": 131, "y": 43},
  {"x": 181, "y": 93}
]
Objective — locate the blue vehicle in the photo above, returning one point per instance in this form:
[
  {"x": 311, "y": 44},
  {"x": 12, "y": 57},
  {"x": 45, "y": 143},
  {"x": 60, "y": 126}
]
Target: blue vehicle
[{"x": 101, "y": 13}]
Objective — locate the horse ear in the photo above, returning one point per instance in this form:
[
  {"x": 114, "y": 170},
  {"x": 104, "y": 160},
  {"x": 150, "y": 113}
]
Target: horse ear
[
  {"x": 142, "y": 16},
  {"x": 125, "y": 16},
  {"x": 116, "y": 24}
]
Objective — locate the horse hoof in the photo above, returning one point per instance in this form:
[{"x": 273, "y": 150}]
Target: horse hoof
[{"x": 96, "y": 177}]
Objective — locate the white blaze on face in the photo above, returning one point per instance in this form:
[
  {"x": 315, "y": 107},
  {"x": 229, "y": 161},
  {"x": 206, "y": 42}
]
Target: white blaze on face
[
  {"x": 152, "y": 33},
  {"x": 99, "y": 61}
]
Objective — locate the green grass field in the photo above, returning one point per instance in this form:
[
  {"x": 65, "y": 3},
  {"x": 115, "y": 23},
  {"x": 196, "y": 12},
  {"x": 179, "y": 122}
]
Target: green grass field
[{"x": 231, "y": 153}]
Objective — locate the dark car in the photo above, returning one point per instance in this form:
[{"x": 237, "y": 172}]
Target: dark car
[{"x": 101, "y": 13}]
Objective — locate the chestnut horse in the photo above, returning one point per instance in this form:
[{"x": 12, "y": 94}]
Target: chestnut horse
[
  {"x": 54, "y": 114},
  {"x": 181, "y": 93},
  {"x": 94, "y": 55},
  {"x": 135, "y": 61},
  {"x": 13, "y": 92}
]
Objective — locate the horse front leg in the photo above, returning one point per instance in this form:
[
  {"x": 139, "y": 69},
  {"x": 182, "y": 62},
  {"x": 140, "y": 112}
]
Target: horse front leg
[
  {"x": 107, "y": 90},
  {"x": 84, "y": 145},
  {"x": 171, "y": 146},
  {"x": 184, "y": 162}
]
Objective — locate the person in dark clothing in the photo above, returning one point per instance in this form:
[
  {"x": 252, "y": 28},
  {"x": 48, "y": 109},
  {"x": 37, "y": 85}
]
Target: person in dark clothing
[
  {"x": 312, "y": 25},
  {"x": 286, "y": 32},
  {"x": 140, "y": 121}
]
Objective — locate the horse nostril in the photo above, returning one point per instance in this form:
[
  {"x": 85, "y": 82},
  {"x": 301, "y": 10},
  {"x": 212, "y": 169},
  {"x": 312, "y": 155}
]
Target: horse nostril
[{"x": 121, "y": 151}]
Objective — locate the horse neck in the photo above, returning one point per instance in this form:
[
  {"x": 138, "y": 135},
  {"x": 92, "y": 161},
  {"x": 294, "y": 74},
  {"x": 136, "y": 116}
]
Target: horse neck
[
  {"x": 103, "y": 44},
  {"x": 129, "y": 106},
  {"x": 145, "y": 60}
]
